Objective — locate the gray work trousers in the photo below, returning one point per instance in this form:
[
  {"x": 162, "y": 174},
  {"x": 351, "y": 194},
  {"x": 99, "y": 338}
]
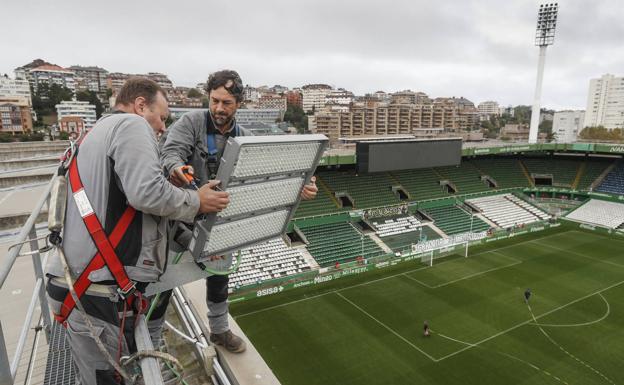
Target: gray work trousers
[
  {"x": 93, "y": 368},
  {"x": 216, "y": 299}
]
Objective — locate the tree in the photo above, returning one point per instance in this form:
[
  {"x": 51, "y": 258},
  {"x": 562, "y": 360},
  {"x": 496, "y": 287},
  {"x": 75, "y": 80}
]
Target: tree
[
  {"x": 194, "y": 93},
  {"x": 58, "y": 93},
  {"x": 297, "y": 117},
  {"x": 47, "y": 97},
  {"x": 92, "y": 98},
  {"x": 522, "y": 114},
  {"x": 602, "y": 133}
]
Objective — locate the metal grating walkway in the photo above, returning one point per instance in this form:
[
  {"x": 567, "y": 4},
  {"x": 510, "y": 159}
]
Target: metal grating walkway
[{"x": 60, "y": 368}]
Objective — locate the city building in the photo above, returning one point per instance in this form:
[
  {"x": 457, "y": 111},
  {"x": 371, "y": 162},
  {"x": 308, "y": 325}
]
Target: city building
[
  {"x": 271, "y": 100},
  {"x": 488, "y": 108},
  {"x": 257, "y": 115},
  {"x": 509, "y": 110},
  {"x": 409, "y": 97},
  {"x": 23, "y": 72},
  {"x": 314, "y": 96},
  {"x": 15, "y": 115},
  {"x": 545, "y": 115},
  {"x": 605, "y": 102},
  {"x": 178, "y": 97},
  {"x": 444, "y": 115},
  {"x": 73, "y": 125},
  {"x": 115, "y": 80},
  {"x": 515, "y": 132},
  {"x": 251, "y": 94},
  {"x": 382, "y": 96},
  {"x": 278, "y": 89},
  {"x": 90, "y": 78},
  {"x": 567, "y": 125},
  {"x": 294, "y": 98},
  {"x": 79, "y": 109},
  {"x": 49, "y": 74},
  {"x": 15, "y": 88},
  {"x": 339, "y": 100}
]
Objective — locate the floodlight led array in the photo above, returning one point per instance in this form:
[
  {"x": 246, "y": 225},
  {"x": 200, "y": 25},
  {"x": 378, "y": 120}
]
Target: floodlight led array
[
  {"x": 264, "y": 176},
  {"x": 546, "y": 24},
  {"x": 259, "y": 196},
  {"x": 230, "y": 235},
  {"x": 259, "y": 160}
]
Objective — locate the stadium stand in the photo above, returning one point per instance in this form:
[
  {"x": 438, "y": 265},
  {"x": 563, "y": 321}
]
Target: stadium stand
[
  {"x": 397, "y": 226},
  {"x": 367, "y": 190},
  {"x": 507, "y": 172},
  {"x": 453, "y": 220},
  {"x": 421, "y": 184},
  {"x": 507, "y": 210},
  {"x": 465, "y": 176},
  {"x": 591, "y": 169},
  {"x": 338, "y": 242},
  {"x": 614, "y": 181},
  {"x": 564, "y": 171},
  {"x": 268, "y": 260},
  {"x": 322, "y": 204},
  {"x": 601, "y": 213}
]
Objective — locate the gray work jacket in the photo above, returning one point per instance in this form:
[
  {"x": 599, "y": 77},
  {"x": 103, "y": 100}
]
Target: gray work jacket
[{"x": 119, "y": 164}]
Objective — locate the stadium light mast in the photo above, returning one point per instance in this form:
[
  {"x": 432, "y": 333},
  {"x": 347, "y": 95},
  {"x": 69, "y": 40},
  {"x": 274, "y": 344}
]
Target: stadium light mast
[{"x": 544, "y": 36}]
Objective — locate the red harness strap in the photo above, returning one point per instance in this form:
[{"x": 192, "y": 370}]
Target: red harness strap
[{"x": 106, "y": 255}]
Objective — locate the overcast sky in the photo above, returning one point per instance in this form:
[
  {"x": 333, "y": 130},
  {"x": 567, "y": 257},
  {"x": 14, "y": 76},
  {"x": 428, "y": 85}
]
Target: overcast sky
[{"x": 482, "y": 50}]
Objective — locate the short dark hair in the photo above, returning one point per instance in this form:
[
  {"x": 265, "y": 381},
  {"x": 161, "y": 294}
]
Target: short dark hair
[
  {"x": 136, "y": 87},
  {"x": 228, "y": 79}
]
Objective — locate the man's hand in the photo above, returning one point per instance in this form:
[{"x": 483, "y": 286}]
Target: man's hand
[
  {"x": 177, "y": 178},
  {"x": 309, "y": 191},
  {"x": 210, "y": 200}
]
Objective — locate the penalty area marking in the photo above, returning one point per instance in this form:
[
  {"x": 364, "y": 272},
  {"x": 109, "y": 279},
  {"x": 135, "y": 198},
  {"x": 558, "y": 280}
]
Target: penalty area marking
[{"x": 579, "y": 324}]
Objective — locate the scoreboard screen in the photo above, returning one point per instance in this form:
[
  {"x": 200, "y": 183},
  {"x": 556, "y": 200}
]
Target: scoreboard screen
[{"x": 379, "y": 156}]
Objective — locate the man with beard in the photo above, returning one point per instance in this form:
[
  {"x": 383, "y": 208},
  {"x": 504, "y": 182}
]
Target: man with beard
[{"x": 198, "y": 139}]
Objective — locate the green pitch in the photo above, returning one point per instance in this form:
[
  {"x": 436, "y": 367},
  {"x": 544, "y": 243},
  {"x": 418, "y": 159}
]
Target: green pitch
[{"x": 368, "y": 329}]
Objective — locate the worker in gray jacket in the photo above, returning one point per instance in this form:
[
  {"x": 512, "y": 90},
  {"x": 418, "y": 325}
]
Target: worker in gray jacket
[
  {"x": 114, "y": 235},
  {"x": 198, "y": 139}
]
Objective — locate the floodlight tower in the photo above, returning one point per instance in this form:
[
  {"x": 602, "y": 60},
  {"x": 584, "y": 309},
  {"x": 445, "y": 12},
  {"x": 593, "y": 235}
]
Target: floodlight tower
[{"x": 544, "y": 36}]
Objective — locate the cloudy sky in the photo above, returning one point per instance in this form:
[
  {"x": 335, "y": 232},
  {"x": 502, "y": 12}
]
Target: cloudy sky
[{"x": 482, "y": 50}]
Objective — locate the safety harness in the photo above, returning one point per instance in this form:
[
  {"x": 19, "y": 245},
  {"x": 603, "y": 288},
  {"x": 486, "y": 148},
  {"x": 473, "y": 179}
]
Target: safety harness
[
  {"x": 105, "y": 244},
  {"x": 211, "y": 142}
]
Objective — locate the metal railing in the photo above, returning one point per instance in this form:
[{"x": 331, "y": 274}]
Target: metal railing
[{"x": 28, "y": 234}]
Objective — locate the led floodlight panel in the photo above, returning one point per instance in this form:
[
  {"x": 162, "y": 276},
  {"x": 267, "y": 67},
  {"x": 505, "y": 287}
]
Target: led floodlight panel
[{"x": 264, "y": 176}]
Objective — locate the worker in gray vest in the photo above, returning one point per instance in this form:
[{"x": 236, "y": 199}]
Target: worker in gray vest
[
  {"x": 198, "y": 139},
  {"x": 114, "y": 233}
]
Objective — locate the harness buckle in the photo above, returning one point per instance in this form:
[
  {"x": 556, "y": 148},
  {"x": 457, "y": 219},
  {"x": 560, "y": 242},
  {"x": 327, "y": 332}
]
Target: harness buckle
[{"x": 127, "y": 291}]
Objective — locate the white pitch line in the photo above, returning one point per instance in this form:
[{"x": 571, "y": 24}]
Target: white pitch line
[
  {"x": 388, "y": 328},
  {"x": 575, "y": 253},
  {"x": 505, "y": 355},
  {"x": 580, "y": 324},
  {"x": 588, "y": 366},
  {"x": 530, "y": 320},
  {"x": 382, "y": 279},
  {"x": 468, "y": 276}
]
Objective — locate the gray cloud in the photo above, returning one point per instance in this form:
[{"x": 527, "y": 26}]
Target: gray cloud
[{"x": 482, "y": 50}]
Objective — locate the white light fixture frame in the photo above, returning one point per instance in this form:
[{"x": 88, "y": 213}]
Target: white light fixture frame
[{"x": 250, "y": 162}]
